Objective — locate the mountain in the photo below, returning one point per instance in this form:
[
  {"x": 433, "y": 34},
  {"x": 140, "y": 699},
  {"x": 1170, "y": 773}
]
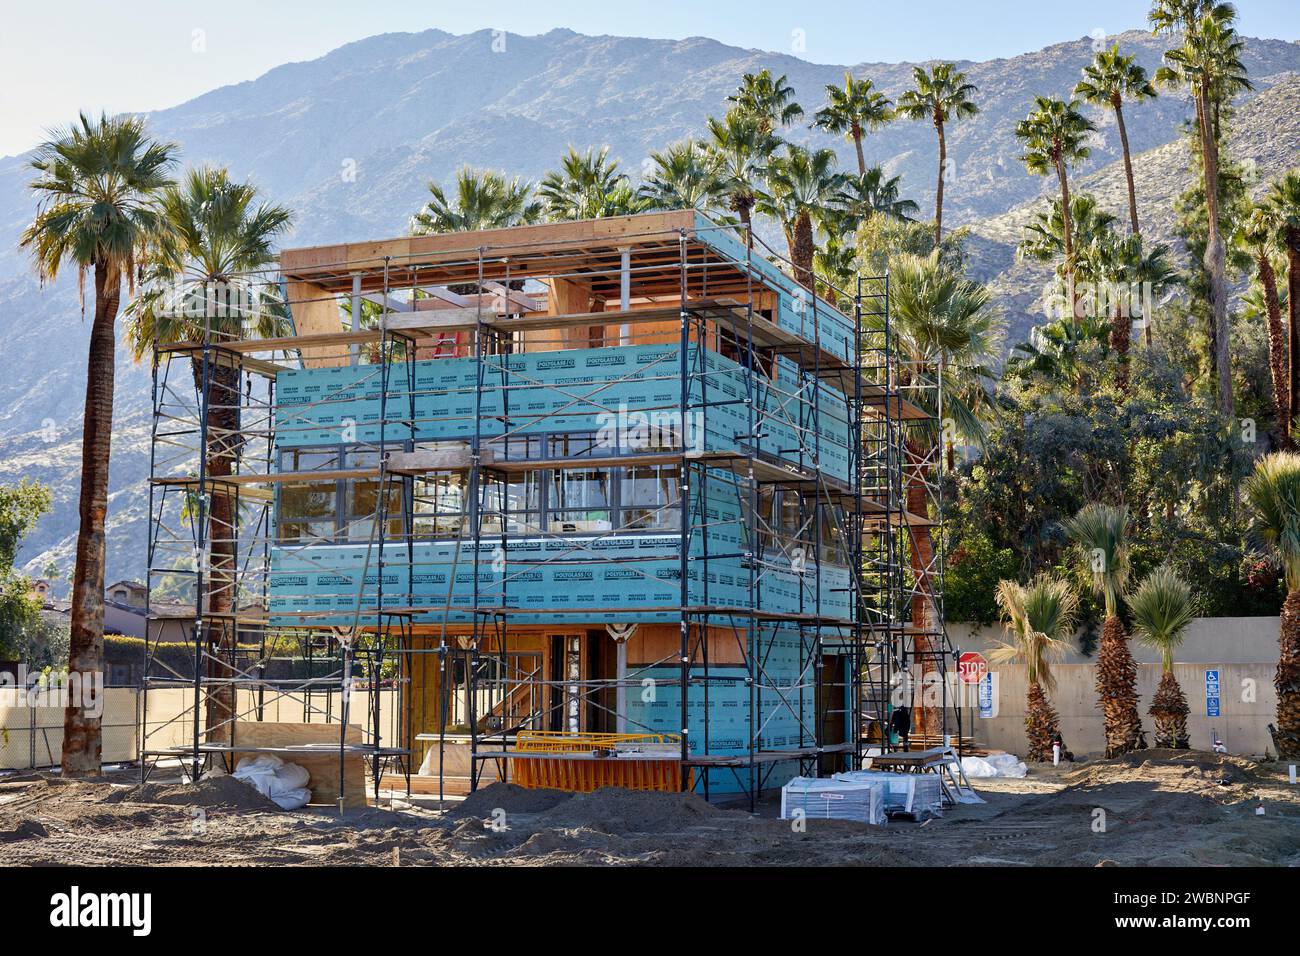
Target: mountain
[
  {"x": 1264, "y": 134},
  {"x": 351, "y": 139}
]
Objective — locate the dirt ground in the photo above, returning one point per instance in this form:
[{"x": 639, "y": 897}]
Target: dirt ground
[{"x": 1175, "y": 808}]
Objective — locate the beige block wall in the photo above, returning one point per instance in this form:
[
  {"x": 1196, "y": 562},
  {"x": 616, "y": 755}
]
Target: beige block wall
[{"x": 1243, "y": 651}]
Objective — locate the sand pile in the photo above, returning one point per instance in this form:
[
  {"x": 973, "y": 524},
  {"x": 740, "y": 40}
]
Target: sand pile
[
  {"x": 509, "y": 797},
  {"x": 210, "y": 793},
  {"x": 1188, "y": 770},
  {"x": 609, "y": 810}
]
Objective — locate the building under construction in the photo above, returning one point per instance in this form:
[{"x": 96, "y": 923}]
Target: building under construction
[{"x": 603, "y": 502}]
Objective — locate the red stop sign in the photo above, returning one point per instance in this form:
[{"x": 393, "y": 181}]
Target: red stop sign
[{"x": 972, "y": 667}]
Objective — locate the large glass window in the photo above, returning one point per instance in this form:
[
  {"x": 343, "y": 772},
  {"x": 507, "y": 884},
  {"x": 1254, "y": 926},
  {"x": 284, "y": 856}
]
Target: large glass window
[
  {"x": 520, "y": 496},
  {"x": 439, "y": 508},
  {"x": 308, "y": 509},
  {"x": 649, "y": 497},
  {"x": 580, "y": 500},
  {"x": 361, "y": 501}
]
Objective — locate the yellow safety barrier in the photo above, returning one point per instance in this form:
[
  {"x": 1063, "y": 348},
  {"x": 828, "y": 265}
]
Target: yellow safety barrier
[{"x": 587, "y": 762}]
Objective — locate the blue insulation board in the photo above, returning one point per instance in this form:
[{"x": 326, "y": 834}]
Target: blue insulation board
[
  {"x": 574, "y": 390},
  {"x": 325, "y": 581},
  {"x": 325, "y": 406},
  {"x": 810, "y": 317},
  {"x": 784, "y": 709}
]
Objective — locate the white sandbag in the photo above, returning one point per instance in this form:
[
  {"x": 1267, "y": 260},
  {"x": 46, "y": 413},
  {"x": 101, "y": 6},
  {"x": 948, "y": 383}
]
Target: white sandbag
[
  {"x": 283, "y": 783},
  {"x": 994, "y": 765}
]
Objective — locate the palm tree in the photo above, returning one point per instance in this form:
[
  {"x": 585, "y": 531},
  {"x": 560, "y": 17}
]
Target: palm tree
[
  {"x": 851, "y": 109},
  {"x": 1039, "y": 617},
  {"x": 1055, "y": 136},
  {"x": 588, "y": 186},
  {"x": 483, "y": 200},
  {"x": 801, "y": 184},
  {"x": 1044, "y": 235},
  {"x": 940, "y": 320},
  {"x": 1284, "y": 205},
  {"x": 941, "y": 95},
  {"x": 741, "y": 151},
  {"x": 1209, "y": 64},
  {"x": 1058, "y": 351},
  {"x": 685, "y": 176},
  {"x": 1118, "y": 265},
  {"x": 1162, "y": 608},
  {"x": 1100, "y": 531},
  {"x": 1107, "y": 81},
  {"x": 1257, "y": 235},
  {"x": 769, "y": 101},
  {"x": 1273, "y": 494},
  {"x": 836, "y": 267},
  {"x": 874, "y": 192},
  {"x": 96, "y": 181},
  {"x": 204, "y": 285}
]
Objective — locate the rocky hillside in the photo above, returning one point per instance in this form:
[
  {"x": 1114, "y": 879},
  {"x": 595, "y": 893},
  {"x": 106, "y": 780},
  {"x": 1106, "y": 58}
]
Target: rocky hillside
[
  {"x": 1264, "y": 135},
  {"x": 351, "y": 139}
]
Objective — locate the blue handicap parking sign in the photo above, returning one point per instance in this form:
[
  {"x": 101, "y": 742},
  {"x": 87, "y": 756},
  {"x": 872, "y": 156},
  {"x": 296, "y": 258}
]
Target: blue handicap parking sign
[{"x": 1212, "y": 693}]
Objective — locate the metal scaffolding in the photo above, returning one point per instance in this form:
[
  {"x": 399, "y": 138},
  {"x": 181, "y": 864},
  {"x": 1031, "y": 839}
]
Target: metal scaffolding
[{"x": 758, "y": 387}]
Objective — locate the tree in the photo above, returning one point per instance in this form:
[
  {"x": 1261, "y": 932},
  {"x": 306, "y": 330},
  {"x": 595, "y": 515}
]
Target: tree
[
  {"x": 1273, "y": 493},
  {"x": 1059, "y": 352},
  {"x": 941, "y": 95},
  {"x": 96, "y": 181},
  {"x": 685, "y": 176},
  {"x": 214, "y": 237},
  {"x": 1039, "y": 617},
  {"x": 1258, "y": 237},
  {"x": 741, "y": 151},
  {"x": 768, "y": 100},
  {"x": 940, "y": 321},
  {"x": 1044, "y": 234},
  {"x": 851, "y": 109},
  {"x": 836, "y": 267},
  {"x": 483, "y": 200},
  {"x": 874, "y": 193},
  {"x": 588, "y": 186},
  {"x": 1055, "y": 135},
  {"x": 800, "y": 186},
  {"x": 1209, "y": 64},
  {"x": 1101, "y": 534},
  {"x": 1162, "y": 608},
  {"x": 1107, "y": 81},
  {"x": 1284, "y": 205},
  {"x": 1125, "y": 273},
  {"x": 21, "y": 506}
]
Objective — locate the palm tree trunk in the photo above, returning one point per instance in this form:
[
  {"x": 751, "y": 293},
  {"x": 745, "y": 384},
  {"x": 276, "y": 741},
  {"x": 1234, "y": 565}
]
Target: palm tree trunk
[
  {"x": 1068, "y": 237},
  {"x": 1293, "y": 315},
  {"x": 1277, "y": 351},
  {"x": 938, "y": 191},
  {"x": 1169, "y": 712},
  {"x": 1215, "y": 261},
  {"x": 1121, "y": 336},
  {"x": 82, "y": 744},
  {"x": 1117, "y": 688},
  {"x": 743, "y": 205},
  {"x": 1041, "y": 724},
  {"x": 925, "y": 720},
  {"x": 802, "y": 249},
  {"x": 1128, "y": 164},
  {"x": 1286, "y": 738},
  {"x": 220, "y": 590},
  {"x": 857, "y": 144}
]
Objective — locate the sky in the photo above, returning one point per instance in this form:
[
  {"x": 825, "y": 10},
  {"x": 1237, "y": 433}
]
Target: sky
[{"x": 149, "y": 54}]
